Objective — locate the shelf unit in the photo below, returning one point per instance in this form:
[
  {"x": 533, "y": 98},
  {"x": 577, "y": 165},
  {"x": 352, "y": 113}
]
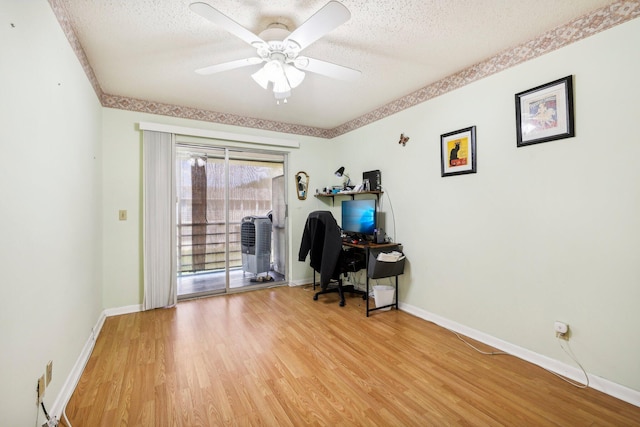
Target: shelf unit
[
  {"x": 351, "y": 194},
  {"x": 379, "y": 270}
]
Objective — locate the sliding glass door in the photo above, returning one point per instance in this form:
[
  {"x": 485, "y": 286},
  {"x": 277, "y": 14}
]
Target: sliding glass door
[{"x": 230, "y": 220}]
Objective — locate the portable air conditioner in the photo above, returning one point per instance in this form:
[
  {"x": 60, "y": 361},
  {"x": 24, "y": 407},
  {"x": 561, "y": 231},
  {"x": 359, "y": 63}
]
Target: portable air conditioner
[{"x": 255, "y": 239}]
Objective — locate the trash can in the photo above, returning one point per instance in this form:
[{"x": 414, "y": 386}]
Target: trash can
[{"x": 383, "y": 296}]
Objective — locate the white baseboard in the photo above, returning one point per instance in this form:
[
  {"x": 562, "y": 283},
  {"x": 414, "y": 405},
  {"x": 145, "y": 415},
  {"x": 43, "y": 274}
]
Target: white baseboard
[
  {"x": 300, "y": 282},
  {"x": 76, "y": 372},
  {"x": 71, "y": 382},
  {"x": 123, "y": 310},
  {"x": 608, "y": 387}
]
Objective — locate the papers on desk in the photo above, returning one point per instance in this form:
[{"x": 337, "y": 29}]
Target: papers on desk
[{"x": 393, "y": 256}]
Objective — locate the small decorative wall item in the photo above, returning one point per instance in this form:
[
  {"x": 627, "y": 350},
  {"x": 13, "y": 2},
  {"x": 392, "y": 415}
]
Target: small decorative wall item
[
  {"x": 403, "y": 139},
  {"x": 545, "y": 113},
  {"x": 302, "y": 185},
  {"x": 458, "y": 152}
]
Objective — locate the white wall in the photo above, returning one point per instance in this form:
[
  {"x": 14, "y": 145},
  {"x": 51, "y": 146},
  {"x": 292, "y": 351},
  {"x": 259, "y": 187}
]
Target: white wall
[
  {"x": 541, "y": 233},
  {"x": 50, "y": 184}
]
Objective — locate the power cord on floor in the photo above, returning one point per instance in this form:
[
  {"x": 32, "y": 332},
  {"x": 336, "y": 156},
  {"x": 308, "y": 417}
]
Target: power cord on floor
[
  {"x": 563, "y": 378},
  {"x": 575, "y": 359},
  {"x": 66, "y": 419},
  {"x": 486, "y": 353}
]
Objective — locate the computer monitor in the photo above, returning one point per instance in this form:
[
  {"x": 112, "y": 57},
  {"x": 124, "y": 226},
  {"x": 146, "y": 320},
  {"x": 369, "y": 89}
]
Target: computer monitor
[{"x": 359, "y": 217}]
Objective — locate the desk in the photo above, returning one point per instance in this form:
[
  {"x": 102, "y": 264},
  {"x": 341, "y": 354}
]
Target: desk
[{"x": 367, "y": 248}]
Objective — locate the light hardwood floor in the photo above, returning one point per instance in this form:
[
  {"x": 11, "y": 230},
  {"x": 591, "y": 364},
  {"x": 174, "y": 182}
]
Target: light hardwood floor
[{"x": 275, "y": 357}]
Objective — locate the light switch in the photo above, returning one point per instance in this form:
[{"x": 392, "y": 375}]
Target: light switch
[{"x": 122, "y": 215}]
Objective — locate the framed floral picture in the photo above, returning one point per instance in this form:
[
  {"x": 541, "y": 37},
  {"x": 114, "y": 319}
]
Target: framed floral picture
[
  {"x": 545, "y": 113},
  {"x": 458, "y": 152}
]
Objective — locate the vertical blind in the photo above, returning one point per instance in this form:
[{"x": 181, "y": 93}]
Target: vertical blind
[{"x": 160, "y": 282}]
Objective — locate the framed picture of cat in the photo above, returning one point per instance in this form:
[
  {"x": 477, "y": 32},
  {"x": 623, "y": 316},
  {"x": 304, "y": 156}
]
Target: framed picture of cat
[{"x": 458, "y": 152}]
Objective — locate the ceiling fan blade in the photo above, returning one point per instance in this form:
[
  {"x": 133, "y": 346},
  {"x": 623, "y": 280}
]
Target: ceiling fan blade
[
  {"x": 228, "y": 65},
  {"x": 330, "y": 17},
  {"x": 222, "y": 20},
  {"x": 326, "y": 68}
]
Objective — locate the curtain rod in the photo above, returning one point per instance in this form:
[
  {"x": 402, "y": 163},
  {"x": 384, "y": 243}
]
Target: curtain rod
[{"x": 237, "y": 137}]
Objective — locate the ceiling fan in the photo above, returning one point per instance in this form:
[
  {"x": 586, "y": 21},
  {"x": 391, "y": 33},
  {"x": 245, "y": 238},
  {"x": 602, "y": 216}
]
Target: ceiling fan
[{"x": 280, "y": 49}]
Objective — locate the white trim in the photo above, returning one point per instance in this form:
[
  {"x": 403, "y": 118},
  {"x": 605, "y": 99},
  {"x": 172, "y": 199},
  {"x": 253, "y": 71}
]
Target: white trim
[
  {"x": 300, "y": 282},
  {"x": 228, "y": 136},
  {"x": 123, "y": 310},
  {"x": 71, "y": 382},
  {"x": 605, "y": 386}
]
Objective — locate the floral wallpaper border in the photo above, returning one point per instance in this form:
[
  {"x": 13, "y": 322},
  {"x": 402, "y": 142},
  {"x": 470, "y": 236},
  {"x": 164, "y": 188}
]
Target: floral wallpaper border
[{"x": 578, "y": 29}]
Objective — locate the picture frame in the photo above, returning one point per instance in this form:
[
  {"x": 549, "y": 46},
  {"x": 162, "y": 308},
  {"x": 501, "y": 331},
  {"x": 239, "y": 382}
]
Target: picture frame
[
  {"x": 302, "y": 185},
  {"x": 545, "y": 113},
  {"x": 458, "y": 152}
]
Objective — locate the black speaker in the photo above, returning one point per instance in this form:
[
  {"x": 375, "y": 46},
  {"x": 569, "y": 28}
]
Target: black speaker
[{"x": 375, "y": 179}]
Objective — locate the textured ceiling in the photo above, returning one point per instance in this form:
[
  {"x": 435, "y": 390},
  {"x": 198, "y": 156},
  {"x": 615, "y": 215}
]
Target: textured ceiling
[{"x": 146, "y": 51}]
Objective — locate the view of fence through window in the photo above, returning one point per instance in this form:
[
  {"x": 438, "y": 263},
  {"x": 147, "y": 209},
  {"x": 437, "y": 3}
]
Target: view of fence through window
[{"x": 201, "y": 206}]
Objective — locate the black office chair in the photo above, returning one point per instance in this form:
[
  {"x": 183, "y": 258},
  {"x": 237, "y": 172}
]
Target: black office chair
[{"x": 322, "y": 240}]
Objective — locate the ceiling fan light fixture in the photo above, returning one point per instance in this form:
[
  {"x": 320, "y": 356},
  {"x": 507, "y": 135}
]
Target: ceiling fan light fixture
[
  {"x": 275, "y": 32},
  {"x": 274, "y": 70},
  {"x": 283, "y": 76},
  {"x": 261, "y": 44},
  {"x": 281, "y": 85},
  {"x": 294, "y": 76},
  {"x": 261, "y": 77},
  {"x": 282, "y": 95},
  {"x": 301, "y": 62}
]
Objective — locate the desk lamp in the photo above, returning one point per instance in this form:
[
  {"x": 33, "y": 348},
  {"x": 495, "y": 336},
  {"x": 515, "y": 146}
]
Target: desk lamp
[{"x": 340, "y": 173}]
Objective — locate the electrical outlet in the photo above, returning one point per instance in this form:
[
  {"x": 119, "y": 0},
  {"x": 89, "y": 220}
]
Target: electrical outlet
[
  {"x": 49, "y": 374},
  {"x": 562, "y": 330},
  {"x": 52, "y": 422},
  {"x": 40, "y": 389}
]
